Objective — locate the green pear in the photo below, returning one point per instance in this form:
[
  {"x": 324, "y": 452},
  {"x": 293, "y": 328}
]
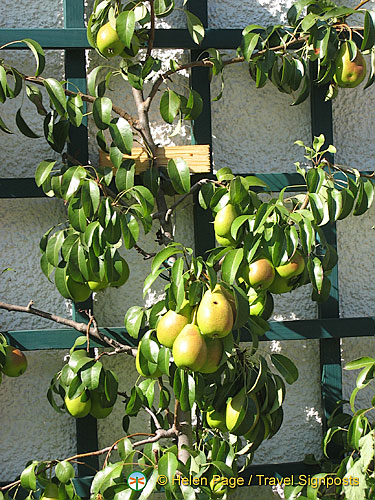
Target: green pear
[
  {"x": 51, "y": 492},
  {"x": 349, "y": 73},
  {"x": 190, "y": 349},
  {"x": 257, "y": 302},
  {"x": 294, "y": 267},
  {"x": 236, "y": 410},
  {"x": 214, "y": 354},
  {"x": 216, "y": 420},
  {"x": 225, "y": 242},
  {"x": 280, "y": 285},
  {"x": 215, "y": 315},
  {"x": 97, "y": 409},
  {"x": 171, "y": 324},
  {"x": 223, "y": 220},
  {"x": 251, "y": 417},
  {"x": 261, "y": 274},
  {"x": 78, "y": 407}
]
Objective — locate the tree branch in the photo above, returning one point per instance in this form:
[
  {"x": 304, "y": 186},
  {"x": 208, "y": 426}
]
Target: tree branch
[
  {"x": 80, "y": 327},
  {"x": 193, "y": 189},
  {"x": 184, "y": 434}
]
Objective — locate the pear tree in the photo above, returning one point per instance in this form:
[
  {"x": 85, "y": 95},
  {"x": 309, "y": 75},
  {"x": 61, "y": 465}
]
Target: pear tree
[{"x": 211, "y": 401}]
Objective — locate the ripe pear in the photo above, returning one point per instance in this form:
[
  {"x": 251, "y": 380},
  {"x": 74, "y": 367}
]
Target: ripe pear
[
  {"x": 280, "y": 285},
  {"x": 261, "y": 274},
  {"x": 214, "y": 355},
  {"x": 349, "y": 73},
  {"x": 230, "y": 298},
  {"x": 223, "y": 221},
  {"x": 171, "y": 324},
  {"x": 216, "y": 420},
  {"x": 190, "y": 349},
  {"x": 15, "y": 362},
  {"x": 294, "y": 267},
  {"x": 215, "y": 315}
]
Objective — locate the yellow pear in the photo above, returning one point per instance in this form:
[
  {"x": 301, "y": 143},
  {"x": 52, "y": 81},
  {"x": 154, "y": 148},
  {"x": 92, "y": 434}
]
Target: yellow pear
[
  {"x": 215, "y": 314},
  {"x": 171, "y": 324},
  {"x": 190, "y": 349},
  {"x": 216, "y": 420}
]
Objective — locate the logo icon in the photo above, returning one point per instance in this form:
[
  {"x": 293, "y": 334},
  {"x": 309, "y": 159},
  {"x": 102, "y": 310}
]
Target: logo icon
[{"x": 137, "y": 481}]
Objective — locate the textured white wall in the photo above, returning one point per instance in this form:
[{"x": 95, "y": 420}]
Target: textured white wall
[{"x": 253, "y": 130}]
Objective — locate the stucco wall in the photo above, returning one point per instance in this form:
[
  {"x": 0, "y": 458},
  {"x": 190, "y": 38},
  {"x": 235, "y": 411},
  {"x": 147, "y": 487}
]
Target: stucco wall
[{"x": 253, "y": 130}]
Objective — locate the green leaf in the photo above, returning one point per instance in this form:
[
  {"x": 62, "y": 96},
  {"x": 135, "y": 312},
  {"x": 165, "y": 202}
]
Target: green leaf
[
  {"x": 75, "y": 108},
  {"x": 194, "y": 106},
  {"x": 314, "y": 179},
  {"x": 90, "y": 197},
  {"x": 43, "y": 170},
  {"x": 101, "y": 111},
  {"x": 356, "y": 430},
  {"x": 110, "y": 387},
  {"x": 124, "y": 178},
  {"x": 28, "y": 477},
  {"x": 365, "y": 196},
  {"x": 170, "y": 104},
  {"x": 167, "y": 466},
  {"x": 91, "y": 375},
  {"x": 248, "y": 44},
  {"x": 38, "y": 53},
  {"x": 163, "y": 7},
  {"x": 363, "y": 362},
  {"x": 130, "y": 230},
  {"x": 35, "y": 96},
  {"x": 285, "y": 367},
  {"x": 230, "y": 265},
  {"x": 4, "y": 127},
  {"x": 195, "y": 27},
  {"x": 64, "y": 472},
  {"x": 121, "y": 134},
  {"x": 237, "y": 191},
  {"x": 133, "y": 320},
  {"x": 71, "y": 181},
  {"x": 125, "y": 25},
  {"x": 369, "y": 31},
  {"x": 179, "y": 174},
  {"x": 56, "y": 94},
  {"x": 23, "y": 126}
]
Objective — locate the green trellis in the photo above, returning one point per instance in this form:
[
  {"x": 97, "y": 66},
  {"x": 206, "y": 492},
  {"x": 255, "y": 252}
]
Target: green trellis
[{"x": 328, "y": 328}]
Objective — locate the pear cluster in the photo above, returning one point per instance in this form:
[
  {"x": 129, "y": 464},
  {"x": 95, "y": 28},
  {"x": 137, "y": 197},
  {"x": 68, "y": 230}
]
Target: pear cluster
[
  {"x": 260, "y": 278},
  {"x": 13, "y": 362},
  {"x": 195, "y": 336},
  {"x": 82, "y": 386}
]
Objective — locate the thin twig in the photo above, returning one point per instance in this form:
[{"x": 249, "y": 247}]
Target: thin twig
[
  {"x": 153, "y": 416},
  {"x": 360, "y": 4},
  {"x": 80, "y": 327},
  {"x": 193, "y": 189}
]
